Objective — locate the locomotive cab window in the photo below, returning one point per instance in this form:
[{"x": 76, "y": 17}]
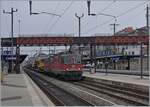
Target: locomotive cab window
[{"x": 71, "y": 59}]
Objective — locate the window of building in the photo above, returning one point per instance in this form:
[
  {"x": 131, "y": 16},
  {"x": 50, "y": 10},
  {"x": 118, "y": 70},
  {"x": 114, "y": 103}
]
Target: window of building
[{"x": 133, "y": 53}]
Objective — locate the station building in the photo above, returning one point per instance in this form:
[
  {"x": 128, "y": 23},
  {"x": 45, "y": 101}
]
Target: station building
[{"x": 119, "y": 57}]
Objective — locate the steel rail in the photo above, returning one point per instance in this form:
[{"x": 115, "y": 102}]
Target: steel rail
[
  {"x": 126, "y": 96},
  {"x": 59, "y": 96}
]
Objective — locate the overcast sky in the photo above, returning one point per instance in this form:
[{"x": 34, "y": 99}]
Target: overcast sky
[{"x": 131, "y": 13}]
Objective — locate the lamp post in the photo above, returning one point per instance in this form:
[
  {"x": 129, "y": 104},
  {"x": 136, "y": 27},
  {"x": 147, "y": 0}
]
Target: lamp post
[
  {"x": 38, "y": 13},
  {"x": 141, "y": 58},
  {"x": 19, "y": 28},
  {"x": 12, "y": 17},
  {"x": 148, "y": 28},
  {"x": 93, "y": 14},
  {"x": 2, "y": 60},
  {"x": 79, "y": 18}
]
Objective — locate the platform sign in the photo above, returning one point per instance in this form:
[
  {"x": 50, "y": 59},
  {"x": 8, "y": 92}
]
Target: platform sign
[
  {"x": 7, "y": 52},
  {"x": 11, "y": 58},
  {"x": 8, "y": 58}
]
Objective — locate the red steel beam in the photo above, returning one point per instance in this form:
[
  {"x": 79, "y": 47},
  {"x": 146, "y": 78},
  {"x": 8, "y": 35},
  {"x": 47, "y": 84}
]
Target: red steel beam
[{"x": 99, "y": 40}]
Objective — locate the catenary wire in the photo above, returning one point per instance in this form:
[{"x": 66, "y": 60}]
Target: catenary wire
[
  {"x": 101, "y": 11},
  {"x": 118, "y": 16},
  {"x": 137, "y": 14},
  {"x": 67, "y": 8},
  {"x": 107, "y": 7},
  {"x": 52, "y": 17}
]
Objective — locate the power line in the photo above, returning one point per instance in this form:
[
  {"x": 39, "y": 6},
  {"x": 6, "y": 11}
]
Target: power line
[
  {"x": 120, "y": 15},
  {"x": 137, "y": 14},
  {"x": 133, "y": 8},
  {"x": 67, "y": 8},
  {"x": 105, "y": 8},
  {"x": 44, "y": 30},
  {"x": 95, "y": 27},
  {"x": 37, "y": 13}
]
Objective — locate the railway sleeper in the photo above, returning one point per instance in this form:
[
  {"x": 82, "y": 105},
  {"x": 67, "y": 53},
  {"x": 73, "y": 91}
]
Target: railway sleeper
[
  {"x": 70, "y": 88},
  {"x": 119, "y": 96},
  {"x": 143, "y": 90},
  {"x": 52, "y": 91},
  {"x": 117, "y": 89}
]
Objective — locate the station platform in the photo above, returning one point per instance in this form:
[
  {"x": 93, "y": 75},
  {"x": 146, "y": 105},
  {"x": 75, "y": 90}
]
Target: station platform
[
  {"x": 20, "y": 90},
  {"x": 129, "y": 79}
]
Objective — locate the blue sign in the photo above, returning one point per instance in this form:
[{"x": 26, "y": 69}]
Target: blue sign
[
  {"x": 104, "y": 53},
  {"x": 10, "y": 58},
  {"x": 115, "y": 59},
  {"x": 7, "y": 52}
]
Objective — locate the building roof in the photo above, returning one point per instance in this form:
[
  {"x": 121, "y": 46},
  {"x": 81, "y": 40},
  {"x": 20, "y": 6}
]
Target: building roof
[{"x": 130, "y": 31}]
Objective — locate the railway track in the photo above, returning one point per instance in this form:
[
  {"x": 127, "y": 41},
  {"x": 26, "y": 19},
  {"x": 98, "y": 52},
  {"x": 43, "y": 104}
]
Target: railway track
[
  {"x": 117, "y": 95},
  {"x": 57, "y": 95},
  {"x": 130, "y": 97}
]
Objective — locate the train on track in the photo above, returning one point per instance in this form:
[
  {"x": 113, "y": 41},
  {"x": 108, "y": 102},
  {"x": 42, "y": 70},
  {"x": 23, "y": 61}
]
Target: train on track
[{"x": 64, "y": 65}]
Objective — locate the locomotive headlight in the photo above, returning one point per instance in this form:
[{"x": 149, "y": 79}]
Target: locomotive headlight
[
  {"x": 79, "y": 69},
  {"x": 67, "y": 69}
]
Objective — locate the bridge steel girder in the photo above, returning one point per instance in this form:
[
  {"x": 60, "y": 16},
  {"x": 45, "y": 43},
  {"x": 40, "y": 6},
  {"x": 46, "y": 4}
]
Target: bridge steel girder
[{"x": 95, "y": 40}]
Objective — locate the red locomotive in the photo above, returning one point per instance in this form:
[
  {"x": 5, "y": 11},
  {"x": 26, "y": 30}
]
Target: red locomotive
[{"x": 64, "y": 65}]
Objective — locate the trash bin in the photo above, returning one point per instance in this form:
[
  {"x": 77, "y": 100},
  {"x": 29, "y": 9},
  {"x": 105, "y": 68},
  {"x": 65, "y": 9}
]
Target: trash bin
[{"x": 92, "y": 70}]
